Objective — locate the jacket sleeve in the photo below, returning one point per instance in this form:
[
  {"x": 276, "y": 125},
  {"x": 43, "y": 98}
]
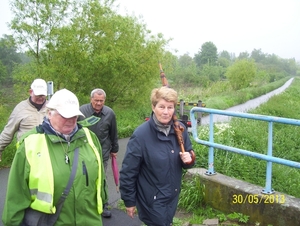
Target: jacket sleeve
[
  {"x": 18, "y": 196},
  {"x": 130, "y": 171},
  {"x": 188, "y": 147},
  {"x": 114, "y": 135},
  {"x": 10, "y": 129}
]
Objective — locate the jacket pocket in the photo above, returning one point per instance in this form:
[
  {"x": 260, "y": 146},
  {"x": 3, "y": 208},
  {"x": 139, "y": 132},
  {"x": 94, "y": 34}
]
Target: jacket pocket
[
  {"x": 153, "y": 198},
  {"x": 85, "y": 173},
  {"x": 36, "y": 218}
]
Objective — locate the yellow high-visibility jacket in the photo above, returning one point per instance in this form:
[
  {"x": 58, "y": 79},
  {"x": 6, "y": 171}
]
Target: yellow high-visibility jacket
[{"x": 39, "y": 175}]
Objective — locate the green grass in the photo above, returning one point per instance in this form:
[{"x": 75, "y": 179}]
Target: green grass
[
  {"x": 7, "y": 102},
  {"x": 239, "y": 133},
  {"x": 252, "y": 135}
]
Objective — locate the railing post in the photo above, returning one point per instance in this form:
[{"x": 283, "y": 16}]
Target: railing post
[
  {"x": 268, "y": 189},
  {"x": 199, "y": 113},
  {"x": 211, "y": 170},
  {"x": 269, "y": 158}
]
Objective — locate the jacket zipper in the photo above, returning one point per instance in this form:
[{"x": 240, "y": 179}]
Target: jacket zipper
[{"x": 85, "y": 173}]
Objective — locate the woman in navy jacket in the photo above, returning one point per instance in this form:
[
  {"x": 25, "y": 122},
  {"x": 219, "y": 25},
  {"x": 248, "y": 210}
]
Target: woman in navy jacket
[{"x": 151, "y": 173}]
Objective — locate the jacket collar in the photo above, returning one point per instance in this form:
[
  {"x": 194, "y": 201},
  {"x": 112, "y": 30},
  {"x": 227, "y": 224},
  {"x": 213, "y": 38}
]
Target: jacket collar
[
  {"x": 50, "y": 130},
  {"x": 103, "y": 110},
  {"x": 153, "y": 124}
]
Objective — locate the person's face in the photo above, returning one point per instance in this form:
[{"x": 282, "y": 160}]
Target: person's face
[
  {"x": 164, "y": 111},
  {"x": 37, "y": 99},
  {"x": 97, "y": 102},
  {"x": 61, "y": 124}
]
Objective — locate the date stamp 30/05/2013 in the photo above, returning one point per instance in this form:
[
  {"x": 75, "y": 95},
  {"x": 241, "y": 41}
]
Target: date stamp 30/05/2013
[{"x": 258, "y": 199}]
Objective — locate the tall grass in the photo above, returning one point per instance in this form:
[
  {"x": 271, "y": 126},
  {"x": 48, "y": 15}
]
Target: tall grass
[
  {"x": 7, "y": 103},
  {"x": 253, "y": 136},
  {"x": 219, "y": 96},
  {"x": 245, "y": 134}
]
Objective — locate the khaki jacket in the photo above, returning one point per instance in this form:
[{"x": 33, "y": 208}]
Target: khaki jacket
[{"x": 23, "y": 118}]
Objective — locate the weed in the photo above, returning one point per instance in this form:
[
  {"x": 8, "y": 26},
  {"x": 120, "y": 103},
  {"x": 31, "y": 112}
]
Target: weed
[
  {"x": 238, "y": 216},
  {"x": 192, "y": 194}
]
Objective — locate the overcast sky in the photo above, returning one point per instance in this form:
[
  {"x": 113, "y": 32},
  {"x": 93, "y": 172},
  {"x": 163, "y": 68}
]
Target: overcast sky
[{"x": 232, "y": 25}]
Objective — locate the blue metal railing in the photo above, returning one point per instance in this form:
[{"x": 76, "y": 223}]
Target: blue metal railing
[{"x": 269, "y": 158}]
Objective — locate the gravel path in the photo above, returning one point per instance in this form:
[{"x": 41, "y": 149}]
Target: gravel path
[{"x": 251, "y": 104}]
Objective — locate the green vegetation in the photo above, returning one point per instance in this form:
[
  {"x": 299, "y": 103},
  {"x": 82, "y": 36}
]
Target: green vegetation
[
  {"x": 81, "y": 45},
  {"x": 93, "y": 46},
  {"x": 235, "y": 133},
  {"x": 250, "y": 135}
]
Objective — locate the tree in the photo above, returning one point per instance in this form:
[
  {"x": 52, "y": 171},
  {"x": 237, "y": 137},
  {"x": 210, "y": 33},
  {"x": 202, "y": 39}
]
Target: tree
[
  {"x": 3, "y": 72},
  {"x": 187, "y": 71},
  {"x": 8, "y": 57},
  {"x": 241, "y": 73},
  {"x": 224, "y": 59},
  {"x": 258, "y": 55},
  {"x": 224, "y": 62},
  {"x": 99, "y": 48},
  {"x": 207, "y": 55},
  {"x": 34, "y": 23},
  {"x": 185, "y": 60},
  {"x": 243, "y": 55},
  {"x": 171, "y": 67},
  {"x": 225, "y": 54},
  {"x": 214, "y": 73}
]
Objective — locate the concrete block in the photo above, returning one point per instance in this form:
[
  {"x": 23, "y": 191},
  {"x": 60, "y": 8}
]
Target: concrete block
[
  {"x": 231, "y": 195},
  {"x": 211, "y": 222}
]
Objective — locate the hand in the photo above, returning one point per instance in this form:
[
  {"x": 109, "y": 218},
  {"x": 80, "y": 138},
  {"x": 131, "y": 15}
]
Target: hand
[
  {"x": 185, "y": 157},
  {"x": 112, "y": 154},
  {"x": 130, "y": 211}
]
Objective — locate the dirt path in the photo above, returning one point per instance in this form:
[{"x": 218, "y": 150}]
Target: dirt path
[{"x": 249, "y": 105}]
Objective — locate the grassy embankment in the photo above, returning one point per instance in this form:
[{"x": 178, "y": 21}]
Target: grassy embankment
[
  {"x": 250, "y": 136},
  {"x": 253, "y": 136},
  {"x": 217, "y": 96}
]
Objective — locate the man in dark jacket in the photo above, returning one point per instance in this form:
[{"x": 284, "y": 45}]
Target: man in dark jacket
[{"x": 105, "y": 129}]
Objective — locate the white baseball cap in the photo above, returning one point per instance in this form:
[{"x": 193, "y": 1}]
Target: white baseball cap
[
  {"x": 39, "y": 87},
  {"x": 65, "y": 102}
]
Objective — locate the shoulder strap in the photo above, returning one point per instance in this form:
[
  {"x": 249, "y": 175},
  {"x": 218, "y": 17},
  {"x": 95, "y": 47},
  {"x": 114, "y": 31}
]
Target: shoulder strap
[
  {"x": 72, "y": 176},
  {"x": 53, "y": 218}
]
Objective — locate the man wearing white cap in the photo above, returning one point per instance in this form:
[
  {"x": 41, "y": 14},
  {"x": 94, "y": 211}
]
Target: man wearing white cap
[
  {"x": 26, "y": 115},
  {"x": 57, "y": 175}
]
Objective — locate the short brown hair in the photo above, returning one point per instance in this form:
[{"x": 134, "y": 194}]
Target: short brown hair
[{"x": 165, "y": 93}]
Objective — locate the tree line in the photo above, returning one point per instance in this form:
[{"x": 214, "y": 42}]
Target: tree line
[
  {"x": 209, "y": 65},
  {"x": 81, "y": 45}
]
